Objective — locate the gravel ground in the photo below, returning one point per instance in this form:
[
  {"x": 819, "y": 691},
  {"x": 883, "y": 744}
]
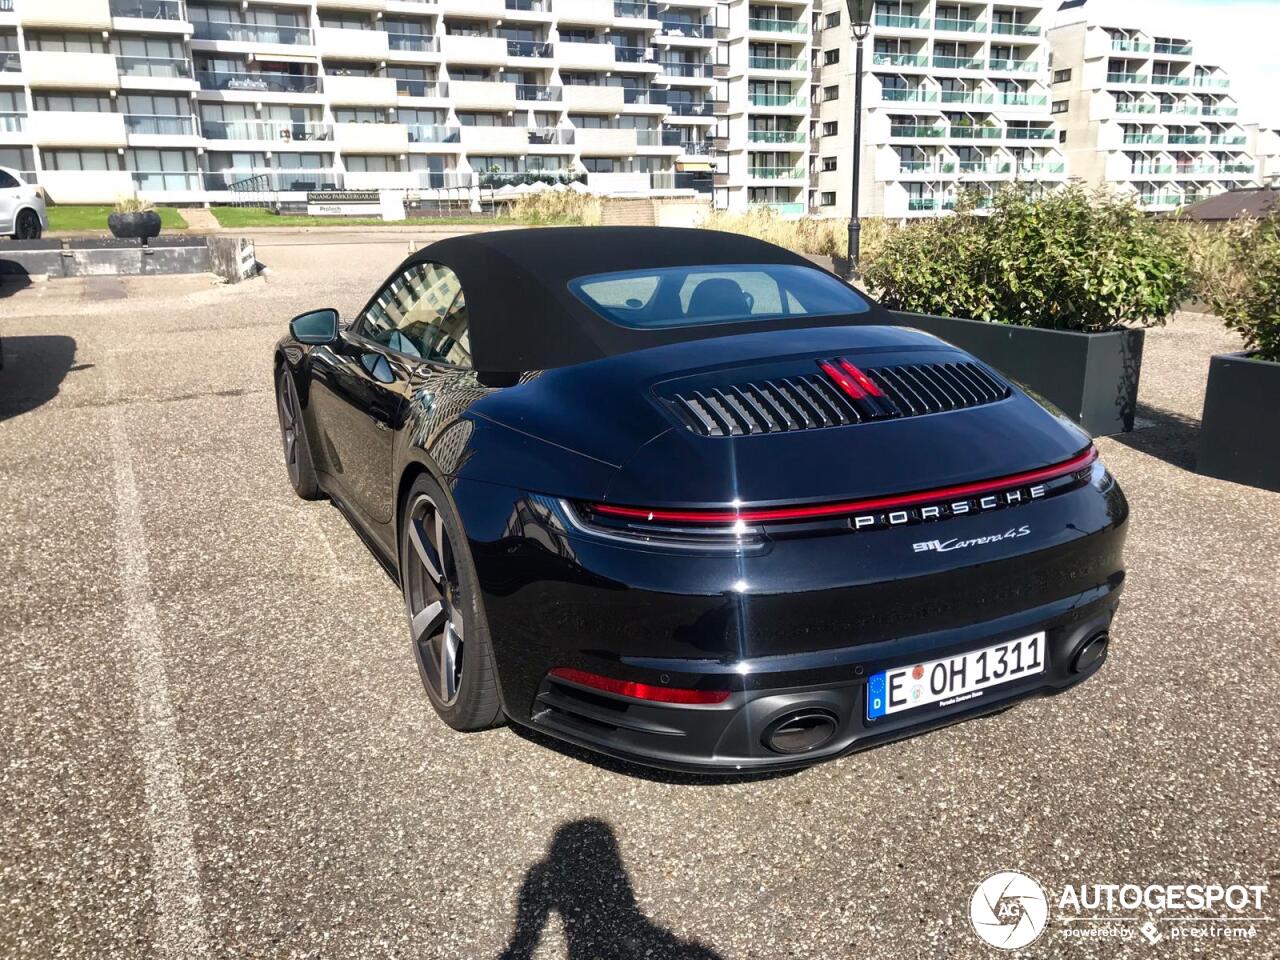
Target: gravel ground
[{"x": 215, "y": 743}]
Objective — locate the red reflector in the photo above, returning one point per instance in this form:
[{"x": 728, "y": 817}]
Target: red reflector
[
  {"x": 819, "y": 510},
  {"x": 639, "y": 691},
  {"x": 842, "y": 381},
  {"x": 861, "y": 379}
]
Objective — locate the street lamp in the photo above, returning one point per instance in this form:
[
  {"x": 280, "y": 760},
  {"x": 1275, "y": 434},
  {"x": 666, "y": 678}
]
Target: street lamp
[{"x": 860, "y": 24}]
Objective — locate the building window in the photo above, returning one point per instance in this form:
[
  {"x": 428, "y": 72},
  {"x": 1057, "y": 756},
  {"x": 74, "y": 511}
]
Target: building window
[
  {"x": 831, "y": 93},
  {"x": 828, "y": 198},
  {"x": 366, "y": 164},
  {"x": 80, "y": 159},
  {"x": 1062, "y": 76},
  {"x": 833, "y": 18},
  {"x": 830, "y": 128},
  {"x": 828, "y": 163},
  {"x": 1060, "y": 106},
  {"x": 831, "y": 56}
]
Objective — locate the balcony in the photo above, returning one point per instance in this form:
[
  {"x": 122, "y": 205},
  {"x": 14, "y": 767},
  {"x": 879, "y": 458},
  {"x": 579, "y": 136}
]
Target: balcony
[
  {"x": 1127, "y": 78},
  {"x": 528, "y": 6},
  {"x": 606, "y": 142},
  {"x": 1129, "y": 46},
  {"x": 536, "y": 49},
  {"x": 75, "y": 71},
  {"x": 1210, "y": 110},
  {"x": 909, "y": 95},
  {"x": 776, "y": 63},
  {"x": 957, "y": 63},
  {"x": 599, "y": 98},
  {"x": 960, "y": 25},
  {"x": 257, "y": 82},
  {"x": 489, "y": 51},
  {"x": 353, "y": 44},
  {"x": 1152, "y": 169},
  {"x": 12, "y": 122},
  {"x": 777, "y": 136},
  {"x": 1226, "y": 139},
  {"x": 693, "y": 108},
  {"x": 1014, "y": 66},
  {"x": 682, "y": 68},
  {"x": 777, "y": 100},
  {"x": 1159, "y": 199},
  {"x": 691, "y": 30},
  {"x": 1237, "y": 168},
  {"x": 1173, "y": 49},
  {"x": 782, "y": 209},
  {"x": 1212, "y": 83},
  {"x": 1004, "y": 29},
  {"x": 148, "y": 9},
  {"x": 922, "y": 203},
  {"x": 1142, "y": 138},
  {"x": 967, "y": 96},
  {"x": 295, "y": 181},
  {"x": 776, "y": 173},
  {"x": 1031, "y": 133},
  {"x": 1169, "y": 80},
  {"x": 371, "y": 138},
  {"x": 10, "y": 61},
  {"x": 266, "y": 131},
  {"x": 505, "y": 140},
  {"x": 1189, "y": 139},
  {"x": 883, "y": 58},
  {"x": 412, "y": 43},
  {"x": 629, "y": 10},
  {"x": 234, "y": 32},
  {"x": 915, "y": 131},
  {"x": 169, "y": 68},
  {"x": 537, "y": 92},
  {"x": 598, "y": 13},
  {"x": 1135, "y": 107},
  {"x": 67, "y": 128},
  {"x": 551, "y": 136},
  {"x": 433, "y": 133},
  {"x": 764, "y": 25},
  {"x": 598, "y": 56},
  {"x": 65, "y": 14},
  {"x": 990, "y": 167},
  {"x": 160, "y": 125},
  {"x": 1180, "y": 109},
  {"x": 358, "y": 91},
  {"x": 960, "y": 131},
  {"x": 1023, "y": 99},
  {"x": 421, "y": 88},
  {"x": 927, "y": 167},
  {"x": 899, "y": 22},
  {"x": 663, "y": 138}
]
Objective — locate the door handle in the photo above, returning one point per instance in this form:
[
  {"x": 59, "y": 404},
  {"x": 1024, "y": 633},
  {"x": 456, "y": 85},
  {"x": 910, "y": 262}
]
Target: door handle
[{"x": 379, "y": 423}]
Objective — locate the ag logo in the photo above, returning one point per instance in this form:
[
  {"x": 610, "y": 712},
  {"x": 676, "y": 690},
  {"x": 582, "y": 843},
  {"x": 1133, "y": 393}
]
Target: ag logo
[{"x": 1008, "y": 910}]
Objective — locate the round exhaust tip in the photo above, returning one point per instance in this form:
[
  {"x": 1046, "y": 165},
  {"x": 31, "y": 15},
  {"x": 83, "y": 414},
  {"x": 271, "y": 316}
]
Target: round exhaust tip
[
  {"x": 1091, "y": 651},
  {"x": 801, "y": 731}
]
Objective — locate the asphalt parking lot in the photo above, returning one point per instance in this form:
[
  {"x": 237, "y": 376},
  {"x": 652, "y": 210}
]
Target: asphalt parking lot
[{"x": 213, "y": 740}]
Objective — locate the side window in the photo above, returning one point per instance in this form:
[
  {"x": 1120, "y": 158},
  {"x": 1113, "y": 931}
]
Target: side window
[
  {"x": 421, "y": 313},
  {"x": 7, "y": 182}
]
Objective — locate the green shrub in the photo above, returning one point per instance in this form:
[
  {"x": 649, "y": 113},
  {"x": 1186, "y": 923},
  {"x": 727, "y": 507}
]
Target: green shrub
[
  {"x": 1070, "y": 260},
  {"x": 1245, "y": 293}
]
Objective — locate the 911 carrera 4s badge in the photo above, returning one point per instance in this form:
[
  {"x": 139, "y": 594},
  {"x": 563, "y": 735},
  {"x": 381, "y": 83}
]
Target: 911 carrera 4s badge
[{"x": 946, "y": 546}]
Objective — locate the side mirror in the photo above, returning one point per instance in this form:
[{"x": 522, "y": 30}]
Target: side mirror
[{"x": 316, "y": 327}]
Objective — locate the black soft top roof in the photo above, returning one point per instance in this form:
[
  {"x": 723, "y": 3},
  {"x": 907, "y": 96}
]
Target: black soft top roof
[{"x": 523, "y": 316}]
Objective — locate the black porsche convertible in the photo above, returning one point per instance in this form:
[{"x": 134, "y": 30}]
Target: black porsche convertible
[{"x": 686, "y": 498}]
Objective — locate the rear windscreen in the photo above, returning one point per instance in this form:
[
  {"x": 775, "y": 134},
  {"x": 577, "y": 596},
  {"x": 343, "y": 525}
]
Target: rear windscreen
[{"x": 690, "y": 296}]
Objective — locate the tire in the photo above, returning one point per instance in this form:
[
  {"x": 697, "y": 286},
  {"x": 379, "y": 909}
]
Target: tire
[
  {"x": 448, "y": 631},
  {"x": 27, "y": 226},
  {"x": 293, "y": 438}
]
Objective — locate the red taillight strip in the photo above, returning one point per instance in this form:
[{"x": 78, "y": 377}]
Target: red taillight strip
[
  {"x": 861, "y": 379},
  {"x": 816, "y": 511},
  {"x": 842, "y": 381},
  {"x": 640, "y": 691}
]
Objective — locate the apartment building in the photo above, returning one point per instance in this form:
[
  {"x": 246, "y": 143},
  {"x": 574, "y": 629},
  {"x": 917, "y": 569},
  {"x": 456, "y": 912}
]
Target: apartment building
[
  {"x": 190, "y": 100},
  {"x": 955, "y": 100},
  {"x": 1264, "y": 145},
  {"x": 1143, "y": 113}
]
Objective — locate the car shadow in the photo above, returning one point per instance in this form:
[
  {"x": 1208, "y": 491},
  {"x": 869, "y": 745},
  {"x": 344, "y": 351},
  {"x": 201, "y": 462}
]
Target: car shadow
[
  {"x": 32, "y": 370},
  {"x": 584, "y": 881},
  {"x": 13, "y": 277},
  {"x": 641, "y": 772},
  {"x": 1165, "y": 435}
]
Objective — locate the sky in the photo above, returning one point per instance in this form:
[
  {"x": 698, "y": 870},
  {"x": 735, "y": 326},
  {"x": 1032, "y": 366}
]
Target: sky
[{"x": 1242, "y": 36}]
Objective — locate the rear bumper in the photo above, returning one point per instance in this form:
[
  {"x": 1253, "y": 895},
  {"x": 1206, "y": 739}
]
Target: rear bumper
[{"x": 730, "y": 737}]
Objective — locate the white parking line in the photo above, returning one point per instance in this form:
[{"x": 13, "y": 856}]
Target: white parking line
[{"x": 182, "y": 934}]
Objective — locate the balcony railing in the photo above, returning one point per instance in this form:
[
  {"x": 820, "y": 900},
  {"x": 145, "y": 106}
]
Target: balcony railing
[
  {"x": 1213, "y": 83},
  {"x": 782, "y": 209},
  {"x": 551, "y": 135},
  {"x": 635, "y": 11},
  {"x": 777, "y": 136},
  {"x": 1173, "y": 49},
  {"x": 957, "y": 63},
  {"x": 528, "y": 48},
  {"x": 12, "y": 122},
  {"x": 298, "y": 181},
  {"x": 1183, "y": 109},
  {"x": 777, "y": 99},
  {"x": 922, "y": 203},
  {"x": 629, "y": 54},
  {"x": 1195, "y": 169},
  {"x": 148, "y": 9},
  {"x": 916, "y": 130},
  {"x": 1237, "y": 168},
  {"x": 644, "y": 95},
  {"x": 775, "y": 63},
  {"x": 1143, "y": 138},
  {"x": 537, "y": 91},
  {"x": 1227, "y": 139},
  {"x": 776, "y": 173},
  {"x": 1043, "y": 168},
  {"x": 966, "y": 96},
  {"x": 1132, "y": 106},
  {"x": 1014, "y": 66},
  {"x": 252, "y": 32},
  {"x": 695, "y": 108},
  {"x": 927, "y": 166},
  {"x": 1189, "y": 138},
  {"x": 777, "y": 26},
  {"x": 696, "y": 148},
  {"x": 529, "y": 6},
  {"x": 885, "y": 58},
  {"x": 909, "y": 95},
  {"x": 10, "y": 62},
  {"x": 160, "y": 125},
  {"x": 1023, "y": 99},
  {"x": 147, "y": 180},
  {"x": 432, "y": 133},
  {"x": 1169, "y": 80},
  {"x": 987, "y": 167},
  {"x": 679, "y": 68},
  {"x": 1126, "y": 78},
  {"x": 1031, "y": 133},
  {"x": 266, "y": 130},
  {"x": 1160, "y": 199},
  {"x": 901, "y": 22},
  {"x": 421, "y": 88},
  {"x": 687, "y": 28},
  {"x": 176, "y": 68},
  {"x": 1130, "y": 46},
  {"x": 960, "y": 25},
  {"x": 1149, "y": 169},
  {"x": 960, "y": 131},
  {"x": 260, "y": 82},
  {"x": 1210, "y": 110},
  {"x": 659, "y": 138},
  {"x": 413, "y": 43},
  {"x": 1014, "y": 29}
]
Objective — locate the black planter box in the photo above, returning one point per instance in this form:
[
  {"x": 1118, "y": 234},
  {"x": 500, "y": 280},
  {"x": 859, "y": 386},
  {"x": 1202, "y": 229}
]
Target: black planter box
[
  {"x": 1238, "y": 437},
  {"x": 1091, "y": 377}
]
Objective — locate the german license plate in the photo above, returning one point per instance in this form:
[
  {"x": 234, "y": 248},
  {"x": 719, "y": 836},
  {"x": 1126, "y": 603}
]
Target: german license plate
[{"x": 953, "y": 680}]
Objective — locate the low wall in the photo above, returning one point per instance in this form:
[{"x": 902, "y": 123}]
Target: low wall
[
  {"x": 654, "y": 212},
  {"x": 229, "y": 257}
]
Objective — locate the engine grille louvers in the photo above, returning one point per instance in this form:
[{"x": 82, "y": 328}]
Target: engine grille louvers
[{"x": 811, "y": 401}]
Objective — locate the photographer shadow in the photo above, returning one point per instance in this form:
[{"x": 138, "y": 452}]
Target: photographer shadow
[{"x": 583, "y": 879}]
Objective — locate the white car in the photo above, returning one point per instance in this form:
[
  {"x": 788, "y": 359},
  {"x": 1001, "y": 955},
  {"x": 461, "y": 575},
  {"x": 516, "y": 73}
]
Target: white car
[{"x": 22, "y": 210}]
